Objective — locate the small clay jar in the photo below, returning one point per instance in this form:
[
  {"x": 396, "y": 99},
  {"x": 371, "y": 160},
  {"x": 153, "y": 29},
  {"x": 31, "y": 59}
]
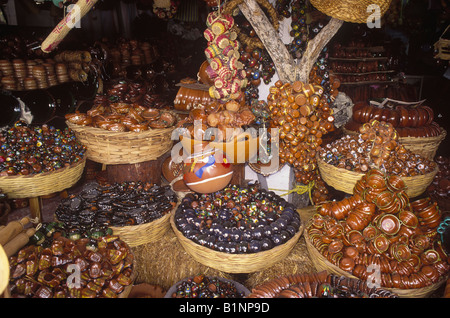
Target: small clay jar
[{"x": 347, "y": 264}]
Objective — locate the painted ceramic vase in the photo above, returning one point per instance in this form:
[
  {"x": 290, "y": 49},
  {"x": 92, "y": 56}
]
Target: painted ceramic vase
[{"x": 207, "y": 171}]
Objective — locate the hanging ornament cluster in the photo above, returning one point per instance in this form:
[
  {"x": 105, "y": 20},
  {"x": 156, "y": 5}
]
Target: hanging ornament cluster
[
  {"x": 165, "y": 9},
  {"x": 299, "y": 29},
  {"x": 222, "y": 54},
  {"x": 259, "y": 67},
  {"x": 303, "y": 116},
  {"x": 282, "y": 8}
]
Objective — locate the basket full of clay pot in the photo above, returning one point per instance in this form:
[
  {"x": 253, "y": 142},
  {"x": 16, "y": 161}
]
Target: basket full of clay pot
[
  {"x": 122, "y": 133},
  {"x": 344, "y": 161}
]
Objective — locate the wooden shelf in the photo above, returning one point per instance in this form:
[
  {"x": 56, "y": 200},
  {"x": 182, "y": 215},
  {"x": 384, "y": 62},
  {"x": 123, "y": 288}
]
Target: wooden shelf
[
  {"x": 367, "y": 73},
  {"x": 361, "y": 59}
]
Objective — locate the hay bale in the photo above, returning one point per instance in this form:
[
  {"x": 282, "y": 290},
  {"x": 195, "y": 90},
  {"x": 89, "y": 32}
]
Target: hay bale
[
  {"x": 296, "y": 262},
  {"x": 165, "y": 262}
]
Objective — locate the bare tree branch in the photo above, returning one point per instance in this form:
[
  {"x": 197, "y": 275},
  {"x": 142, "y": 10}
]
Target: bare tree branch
[
  {"x": 284, "y": 63},
  {"x": 315, "y": 46},
  {"x": 287, "y": 69}
]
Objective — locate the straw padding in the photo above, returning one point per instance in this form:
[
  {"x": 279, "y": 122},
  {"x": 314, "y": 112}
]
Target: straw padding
[
  {"x": 321, "y": 263},
  {"x": 135, "y": 235},
  {"x": 424, "y": 146},
  {"x": 235, "y": 263},
  {"x": 350, "y": 10},
  {"x": 110, "y": 147},
  {"x": 35, "y": 185},
  {"x": 345, "y": 180}
]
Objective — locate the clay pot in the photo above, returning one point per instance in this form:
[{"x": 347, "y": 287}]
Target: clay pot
[
  {"x": 420, "y": 204},
  {"x": 400, "y": 251},
  {"x": 389, "y": 224},
  {"x": 408, "y": 218},
  {"x": 381, "y": 243},
  {"x": 370, "y": 232},
  {"x": 207, "y": 172},
  {"x": 430, "y": 257},
  {"x": 335, "y": 246},
  {"x": 395, "y": 183},
  {"x": 430, "y": 272},
  {"x": 347, "y": 264},
  {"x": 384, "y": 199}
]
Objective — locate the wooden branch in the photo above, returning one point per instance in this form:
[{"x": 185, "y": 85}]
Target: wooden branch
[
  {"x": 284, "y": 63},
  {"x": 287, "y": 69},
  {"x": 315, "y": 46}
]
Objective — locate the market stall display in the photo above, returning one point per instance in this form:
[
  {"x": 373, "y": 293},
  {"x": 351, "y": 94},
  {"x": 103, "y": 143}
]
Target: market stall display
[{"x": 362, "y": 214}]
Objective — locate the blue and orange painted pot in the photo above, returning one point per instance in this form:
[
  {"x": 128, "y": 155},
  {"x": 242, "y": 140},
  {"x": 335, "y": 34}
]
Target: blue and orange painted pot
[{"x": 207, "y": 171}]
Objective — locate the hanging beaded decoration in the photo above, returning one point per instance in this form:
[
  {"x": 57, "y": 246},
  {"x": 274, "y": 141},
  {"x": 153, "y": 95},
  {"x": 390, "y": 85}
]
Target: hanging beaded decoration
[{"x": 255, "y": 58}]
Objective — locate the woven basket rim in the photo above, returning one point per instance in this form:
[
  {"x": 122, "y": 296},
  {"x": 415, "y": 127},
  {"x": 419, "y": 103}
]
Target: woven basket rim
[
  {"x": 360, "y": 174},
  {"x": 440, "y": 137},
  {"x": 406, "y": 292},
  {"x": 44, "y": 174},
  {"x": 350, "y": 10},
  {"x": 143, "y": 226},
  {"x": 114, "y": 134},
  {"x": 237, "y": 258}
]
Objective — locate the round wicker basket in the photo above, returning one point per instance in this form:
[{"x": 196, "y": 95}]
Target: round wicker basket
[
  {"x": 135, "y": 235},
  {"x": 35, "y": 185},
  {"x": 424, "y": 146},
  {"x": 110, "y": 147},
  {"x": 355, "y": 11},
  {"x": 235, "y": 263},
  {"x": 321, "y": 263},
  {"x": 345, "y": 180}
]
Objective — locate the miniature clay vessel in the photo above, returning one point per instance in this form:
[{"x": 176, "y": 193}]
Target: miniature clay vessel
[{"x": 207, "y": 172}]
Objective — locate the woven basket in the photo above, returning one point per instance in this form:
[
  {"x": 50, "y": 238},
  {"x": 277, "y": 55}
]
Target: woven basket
[
  {"x": 424, "y": 146},
  {"x": 36, "y": 185},
  {"x": 345, "y": 180},
  {"x": 110, "y": 147},
  {"x": 321, "y": 263},
  {"x": 235, "y": 263},
  {"x": 135, "y": 235},
  {"x": 350, "y": 10}
]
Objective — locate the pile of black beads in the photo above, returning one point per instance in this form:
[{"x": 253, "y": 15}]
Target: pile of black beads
[
  {"x": 117, "y": 204},
  {"x": 237, "y": 220}
]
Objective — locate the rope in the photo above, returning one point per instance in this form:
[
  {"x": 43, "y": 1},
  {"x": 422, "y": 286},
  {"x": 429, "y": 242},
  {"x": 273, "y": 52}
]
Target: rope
[{"x": 299, "y": 189}]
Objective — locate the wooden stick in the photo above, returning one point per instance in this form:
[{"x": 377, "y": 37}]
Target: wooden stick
[
  {"x": 36, "y": 208},
  {"x": 66, "y": 24},
  {"x": 12, "y": 229},
  {"x": 21, "y": 239}
]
